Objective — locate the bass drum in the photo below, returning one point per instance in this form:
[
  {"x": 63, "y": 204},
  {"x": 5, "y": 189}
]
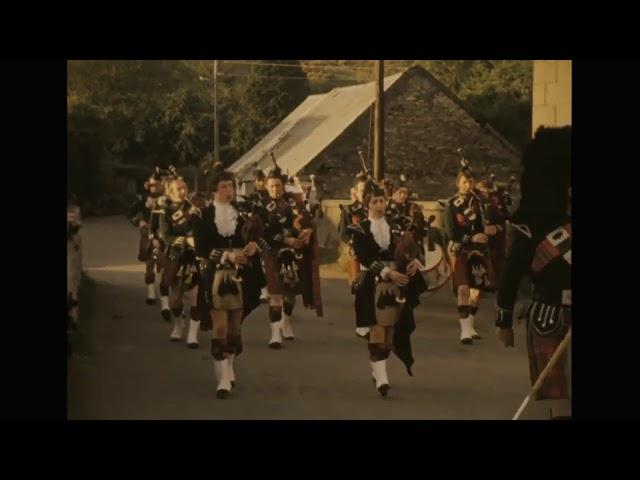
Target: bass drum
[{"x": 438, "y": 268}]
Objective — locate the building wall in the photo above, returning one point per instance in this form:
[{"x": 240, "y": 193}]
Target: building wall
[
  {"x": 423, "y": 130},
  {"x": 551, "y": 93}
]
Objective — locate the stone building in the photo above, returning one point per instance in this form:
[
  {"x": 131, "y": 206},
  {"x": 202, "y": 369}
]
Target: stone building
[{"x": 425, "y": 125}]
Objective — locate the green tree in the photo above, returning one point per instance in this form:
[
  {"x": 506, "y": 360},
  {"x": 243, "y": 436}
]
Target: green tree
[
  {"x": 257, "y": 102},
  {"x": 152, "y": 111},
  {"x": 495, "y": 91},
  {"x": 86, "y": 147},
  {"x": 161, "y": 111},
  {"x": 500, "y": 92}
]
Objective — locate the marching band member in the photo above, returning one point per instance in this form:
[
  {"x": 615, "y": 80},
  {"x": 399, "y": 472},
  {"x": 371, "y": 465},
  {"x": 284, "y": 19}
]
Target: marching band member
[
  {"x": 144, "y": 214},
  {"x": 388, "y": 286},
  {"x": 470, "y": 263},
  {"x": 226, "y": 245},
  {"x": 180, "y": 274},
  {"x": 541, "y": 249},
  {"x": 291, "y": 263}
]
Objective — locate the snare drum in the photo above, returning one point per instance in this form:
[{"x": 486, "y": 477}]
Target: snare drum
[{"x": 438, "y": 268}]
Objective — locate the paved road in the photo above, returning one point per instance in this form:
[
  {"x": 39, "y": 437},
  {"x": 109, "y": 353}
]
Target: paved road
[{"x": 129, "y": 370}]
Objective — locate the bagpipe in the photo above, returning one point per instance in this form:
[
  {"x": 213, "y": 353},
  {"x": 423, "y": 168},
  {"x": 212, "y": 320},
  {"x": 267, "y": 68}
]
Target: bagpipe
[
  {"x": 389, "y": 298},
  {"x": 290, "y": 210},
  {"x": 356, "y": 210},
  {"x": 147, "y": 250},
  {"x": 252, "y": 229},
  {"x": 479, "y": 262},
  {"x": 220, "y": 278},
  {"x": 289, "y": 257},
  {"x": 496, "y": 200},
  {"x": 180, "y": 256},
  {"x": 404, "y": 233},
  {"x": 252, "y": 212},
  {"x": 407, "y": 232}
]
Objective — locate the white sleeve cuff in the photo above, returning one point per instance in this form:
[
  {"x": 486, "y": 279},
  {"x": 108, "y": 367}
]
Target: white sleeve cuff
[{"x": 385, "y": 273}]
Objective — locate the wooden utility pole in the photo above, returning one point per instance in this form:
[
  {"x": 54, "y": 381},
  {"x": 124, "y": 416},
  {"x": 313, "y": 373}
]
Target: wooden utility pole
[
  {"x": 216, "y": 138},
  {"x": 378, "y": 143}
]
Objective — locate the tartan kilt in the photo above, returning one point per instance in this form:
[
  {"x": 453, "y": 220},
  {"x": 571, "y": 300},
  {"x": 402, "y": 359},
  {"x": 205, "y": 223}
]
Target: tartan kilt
[
  {"x": 171, "y": 268},
  {"x": 169, "y": 276},
  {"x": 274, "y": 283},
  {"x": 540, "y": 349}
]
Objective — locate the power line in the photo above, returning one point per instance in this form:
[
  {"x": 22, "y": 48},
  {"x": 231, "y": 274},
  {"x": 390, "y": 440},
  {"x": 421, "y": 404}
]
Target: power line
[
  {"x": 309, "y": 66},
  {"x": 244, "y": 62},
  {"x": 289, "y": 78},
  {"x": 340, "y": 77},
  {"x": 259, "y": 76},
  {"x": 273, "y": 76},
  {"x": 401, "y": 64}
]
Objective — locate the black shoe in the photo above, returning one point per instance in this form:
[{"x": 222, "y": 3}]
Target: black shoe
[
  {"x": 222, "y": 394},
  {"x": 150, "y": 301},
  {"x": 467, "y": 341},
  {"x": 364, "y": 337},
  {"x": 193, "y": 346},
  {"x": 476, "y": 337},
  {"x": 289, "y": 338},
  {"x": 166, "y": 315},
  {"x": 275, "y": 345},
  {"x": 383, "y": 389},
  {"x": 233, "y": 383},
  {"x": 172, "y": 339}
]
